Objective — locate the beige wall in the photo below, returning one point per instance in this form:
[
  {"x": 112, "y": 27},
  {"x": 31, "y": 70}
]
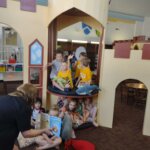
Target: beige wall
[
  {"x": 95, "y": 8},
  {"x": 29, "y": 26},
  {"x": 114, "y": 71}
]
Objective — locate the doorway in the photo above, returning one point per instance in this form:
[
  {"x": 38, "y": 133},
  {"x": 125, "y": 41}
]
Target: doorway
[
  {"x": 11, "y": 59},
  {"x": 130, "y": 103}
]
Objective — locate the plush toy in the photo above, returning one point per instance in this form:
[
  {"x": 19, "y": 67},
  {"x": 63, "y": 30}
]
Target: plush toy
[{"x": 87, "y": 89}]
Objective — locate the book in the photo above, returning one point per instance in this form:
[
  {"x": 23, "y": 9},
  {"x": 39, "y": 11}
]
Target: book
[
  {"x": 44, "y": 120},
  {"x": 55, "y": 122}
]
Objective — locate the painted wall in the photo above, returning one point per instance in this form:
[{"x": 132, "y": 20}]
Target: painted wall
[
  {"x": 125, "y": 31},
  {"x": 95, "y": 8},
  {"x": 146, "y": 30},
  {"x": 138, "y": 30},
  {"x": 115, "y": 71},
  {"x": 29, "y": 26}
]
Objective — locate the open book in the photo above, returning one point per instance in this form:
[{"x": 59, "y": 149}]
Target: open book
[
  {"x": 46, "y": 121},
  {"x": 55, "y": 122}
]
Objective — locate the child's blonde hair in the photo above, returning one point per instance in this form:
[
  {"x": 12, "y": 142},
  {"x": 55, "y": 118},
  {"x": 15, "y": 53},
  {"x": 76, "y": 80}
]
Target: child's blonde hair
[{"x": 55, "y": 109}]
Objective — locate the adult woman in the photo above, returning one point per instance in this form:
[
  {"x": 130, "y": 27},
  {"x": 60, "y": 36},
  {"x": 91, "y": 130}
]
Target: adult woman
[{"x": 15, "y": 116}]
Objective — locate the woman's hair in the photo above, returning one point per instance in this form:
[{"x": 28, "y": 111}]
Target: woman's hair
[{"x": 28, "y": 91}]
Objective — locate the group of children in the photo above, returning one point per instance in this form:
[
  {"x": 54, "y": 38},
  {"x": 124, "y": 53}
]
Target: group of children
[
  {"x": 66, "y": 75},
  {"x": 79, "y": 112}
]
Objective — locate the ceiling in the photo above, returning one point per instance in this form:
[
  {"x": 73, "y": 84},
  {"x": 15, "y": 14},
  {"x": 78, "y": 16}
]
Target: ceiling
[{"x": 131, "y": 7}]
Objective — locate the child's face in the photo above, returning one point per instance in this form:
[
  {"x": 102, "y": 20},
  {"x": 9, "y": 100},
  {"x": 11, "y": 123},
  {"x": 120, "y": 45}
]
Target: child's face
[
  {"x": 87, "y": 101},
  {"x": 53, "y": 113},
  {"x": 81, "y": 57},
  {"x": 72, "y": 105},
  {"x": 64, "y": 66},
  {"x": 37, "y": 105},
  {"x": 59, "y": 57}
]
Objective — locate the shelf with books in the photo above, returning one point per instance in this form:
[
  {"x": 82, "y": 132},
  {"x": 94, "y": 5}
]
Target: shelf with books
[{"x": 6, "y": 68}]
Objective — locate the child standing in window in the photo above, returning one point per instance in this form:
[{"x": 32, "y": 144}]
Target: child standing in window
[{"x": 56, "y": 64}]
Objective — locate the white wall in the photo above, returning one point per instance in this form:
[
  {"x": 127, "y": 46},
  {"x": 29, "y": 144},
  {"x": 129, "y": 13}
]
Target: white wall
[
  {"x": 125, "y": 32},
  {"x": 114, "y": 71},
  {"x": 138, "y": 30},
  {"x": 146, "y": 26}
]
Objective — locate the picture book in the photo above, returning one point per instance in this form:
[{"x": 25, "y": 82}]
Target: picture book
[
  {"x": 55, "y": 122},
  {"x": 44, "y": 119}
]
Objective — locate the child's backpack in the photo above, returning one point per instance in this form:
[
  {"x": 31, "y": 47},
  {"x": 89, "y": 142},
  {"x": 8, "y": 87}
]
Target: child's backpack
[{"x": 79, "y": 145}]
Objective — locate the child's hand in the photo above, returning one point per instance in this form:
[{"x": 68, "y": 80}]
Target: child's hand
[
  {"x": 67, "y": 85},
  {"x": 45, "y": 67},
  {"x": 70, "y": 57},
  {"x": 63, "y": 109}
]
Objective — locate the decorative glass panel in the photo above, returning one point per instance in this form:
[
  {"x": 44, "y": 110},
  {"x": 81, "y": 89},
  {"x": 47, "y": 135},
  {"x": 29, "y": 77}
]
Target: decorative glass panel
[{"x": 36, "y": 54}]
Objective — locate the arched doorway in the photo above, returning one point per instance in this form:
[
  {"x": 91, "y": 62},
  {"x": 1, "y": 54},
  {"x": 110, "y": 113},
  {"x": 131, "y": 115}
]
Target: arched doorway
[
  {"x": 69, "y": 18},
  {"x": 11, "y": 59},
  {"x": 130, "y": 103}
]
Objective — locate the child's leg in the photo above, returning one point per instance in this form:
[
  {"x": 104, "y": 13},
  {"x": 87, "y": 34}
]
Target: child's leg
[
  {"x": 85, "y": 115},
  {"x": 55, "y": 143},
  {"x": 40, "y": 141},
  {"x": 57, "y": 85},
  {"x": 93, "y": 116}
]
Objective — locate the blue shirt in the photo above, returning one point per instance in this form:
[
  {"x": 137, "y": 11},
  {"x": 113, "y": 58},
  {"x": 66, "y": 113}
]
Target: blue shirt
[{"x": 55, "y": 68}]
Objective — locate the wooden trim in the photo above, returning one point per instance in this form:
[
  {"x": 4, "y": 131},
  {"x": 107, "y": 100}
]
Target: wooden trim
[{"x": 100, "y": 48}]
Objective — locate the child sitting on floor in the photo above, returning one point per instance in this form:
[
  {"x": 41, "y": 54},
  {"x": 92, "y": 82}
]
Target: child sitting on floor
[
  {"x": 77, "y": 119},
  {"x": 63, "y": 80},
  {"x": 36, "y": 110},
  {"x": 45, "y": 141},
  {"x": 90, "y": 111}
]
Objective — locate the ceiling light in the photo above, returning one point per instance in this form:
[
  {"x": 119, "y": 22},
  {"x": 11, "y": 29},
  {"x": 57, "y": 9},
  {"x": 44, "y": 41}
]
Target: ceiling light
[
  {"x": 78, "y": 41},
  {"x": 94, "y": 42},
  {"x": 62, "y": 40}
]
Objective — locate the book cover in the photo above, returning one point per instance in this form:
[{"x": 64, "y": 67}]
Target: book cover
[
  {"x": 44, "y": 120},
  {"x": 55, "y": 122}
]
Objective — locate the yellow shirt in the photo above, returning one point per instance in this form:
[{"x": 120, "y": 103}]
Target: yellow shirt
[
  {"x": 78, "y": 67},
  {"x": 85, "y": 74},
  {"x": 66, "y": 75}
]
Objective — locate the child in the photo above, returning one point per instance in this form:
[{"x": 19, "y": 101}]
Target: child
[
  {"x": 80, "y": 107},
  {"x": 85, "y": 73},
  {"x": 45, "y": 141},
  {"x": 77, "y": 65},
  {"x": 63, "y": 80},
  {"x": 62, "y": 102},
  {"x": 37, "y": 109},
  {"x": 90, "y": 111},
  {"x": 77, "y": 119},
  {"x": 56, "y": 64}
]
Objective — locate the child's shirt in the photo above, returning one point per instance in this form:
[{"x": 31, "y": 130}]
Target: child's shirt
[
  {"x": 55, "y": 68},
  {"x": 66, "y": 75},
  {"x": 85, "y": 74},
  {"x": 80, "y": 108},
  {"x": 35, "y": 113},
  {"x": 78, "y": 67}
]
